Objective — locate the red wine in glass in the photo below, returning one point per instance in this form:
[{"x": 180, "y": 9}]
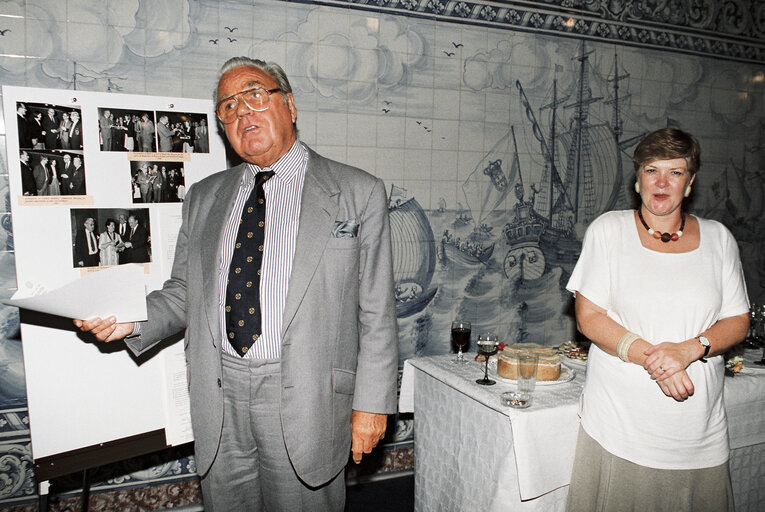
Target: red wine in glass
[{"x": 460, "y": 337}]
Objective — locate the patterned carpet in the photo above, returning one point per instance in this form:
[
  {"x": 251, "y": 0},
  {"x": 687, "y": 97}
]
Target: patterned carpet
[{"x": 384, "y": 479}]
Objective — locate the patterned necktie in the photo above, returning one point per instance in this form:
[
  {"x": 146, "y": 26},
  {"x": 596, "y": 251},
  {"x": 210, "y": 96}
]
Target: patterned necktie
[{"x": 243, "y": 322}]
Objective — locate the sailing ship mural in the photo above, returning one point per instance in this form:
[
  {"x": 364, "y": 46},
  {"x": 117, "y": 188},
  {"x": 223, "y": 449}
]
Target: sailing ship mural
[
  {"x": 414, "y": 253},
  {"x": 582, "y": 173}
]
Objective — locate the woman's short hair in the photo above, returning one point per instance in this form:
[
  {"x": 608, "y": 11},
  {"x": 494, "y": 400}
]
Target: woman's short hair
[
  {"x": 666, "y": 144},
  {"x": 110, "y": 221}
]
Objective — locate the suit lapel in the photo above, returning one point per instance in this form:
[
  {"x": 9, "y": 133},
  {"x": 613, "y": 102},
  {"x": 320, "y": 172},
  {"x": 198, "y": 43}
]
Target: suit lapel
[
  {"x": 318, "y": 210},
  {"x": 212, "y": 240}
]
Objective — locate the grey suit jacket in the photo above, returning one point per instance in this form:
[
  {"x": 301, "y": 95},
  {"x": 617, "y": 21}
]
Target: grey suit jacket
[{"x": 339, "y": 337}]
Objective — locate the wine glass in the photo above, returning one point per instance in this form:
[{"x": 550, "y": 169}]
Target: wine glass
[
  {"x": 460, "y": 337},
  {"x": 757, "y": 328},
  {"x": 755, "y": 318},
  {"x": 487, "y": 345}
]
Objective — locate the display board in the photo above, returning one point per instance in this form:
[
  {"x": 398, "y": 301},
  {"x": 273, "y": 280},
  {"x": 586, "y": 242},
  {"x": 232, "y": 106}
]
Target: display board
[{"x": 79, "y": 163}]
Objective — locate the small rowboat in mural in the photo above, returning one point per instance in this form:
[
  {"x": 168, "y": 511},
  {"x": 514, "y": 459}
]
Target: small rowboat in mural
[{"x": 466, "y": 252}]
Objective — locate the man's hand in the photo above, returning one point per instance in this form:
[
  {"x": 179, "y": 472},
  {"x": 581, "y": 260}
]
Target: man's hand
[
  {"x": 105, "y": 330},
  {"x": 367, "y": 429}
]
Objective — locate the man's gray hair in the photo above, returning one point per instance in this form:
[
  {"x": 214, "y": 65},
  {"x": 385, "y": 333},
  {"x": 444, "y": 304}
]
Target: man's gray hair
[{"x": 270, "y": 68}]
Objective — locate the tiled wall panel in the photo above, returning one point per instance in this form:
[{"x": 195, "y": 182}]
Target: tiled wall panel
[{"x": 427, "y": 95}]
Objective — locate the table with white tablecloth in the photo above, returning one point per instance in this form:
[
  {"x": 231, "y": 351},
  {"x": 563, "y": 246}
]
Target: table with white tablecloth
[{"x": 474, "y": 454}]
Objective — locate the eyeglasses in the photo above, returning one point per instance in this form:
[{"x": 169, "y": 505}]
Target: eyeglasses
[{"x": 257, "y": 99}]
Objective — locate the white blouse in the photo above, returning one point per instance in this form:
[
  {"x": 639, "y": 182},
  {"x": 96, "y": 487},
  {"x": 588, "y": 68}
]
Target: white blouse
[{"x": 661, "y": 297}]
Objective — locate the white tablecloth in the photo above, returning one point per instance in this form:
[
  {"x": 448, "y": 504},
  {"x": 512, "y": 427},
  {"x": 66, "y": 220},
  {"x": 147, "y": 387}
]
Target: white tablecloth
[
  {"x": 467, "y": 456},
  {"x": 744, "y": 397},
  {"x": 537, "y": 432}
]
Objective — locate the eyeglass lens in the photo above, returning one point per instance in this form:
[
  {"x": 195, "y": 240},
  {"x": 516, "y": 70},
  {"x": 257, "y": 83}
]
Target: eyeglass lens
[{"x": 256, "y": 99}]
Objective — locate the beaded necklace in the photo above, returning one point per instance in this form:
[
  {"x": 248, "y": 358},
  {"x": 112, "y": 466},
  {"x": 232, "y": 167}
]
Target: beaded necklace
[{"x": 664, "y": 237}]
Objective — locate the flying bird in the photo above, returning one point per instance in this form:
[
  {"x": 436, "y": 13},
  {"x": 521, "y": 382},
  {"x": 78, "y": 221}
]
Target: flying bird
[
  {"x": 231, "y": 39},
  {"x": 214, "y": 41},
  {"x": 419, "y": 122},
  {"x": 457, "y": 45},
  {"x": 231, "y": 29},
  {"x": 386, "y": 110},
  {"x": 386, "y": 102},
  {"x": 2, "y": 32},
  {"x": 448, "y": 54}
]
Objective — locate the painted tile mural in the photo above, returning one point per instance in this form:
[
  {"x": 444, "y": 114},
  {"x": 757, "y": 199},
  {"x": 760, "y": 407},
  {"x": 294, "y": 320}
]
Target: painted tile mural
[{"x": 499, "y": 142}]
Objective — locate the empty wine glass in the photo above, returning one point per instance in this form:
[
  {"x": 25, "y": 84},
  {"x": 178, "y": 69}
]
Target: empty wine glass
[
  {"x": 487, "y": 345},
  {"x": 460, "y": 337}
]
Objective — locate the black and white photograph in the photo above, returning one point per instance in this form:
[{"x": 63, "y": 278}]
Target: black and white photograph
[
  {"x": 125, "y": 129},
  {"x": 103, "y": 237},
  {"x": 182, "y": 132},
  {"x": 49, "y": 127},
  {"x": 157, "y": 181},
  {"x": 52, "y": 173}
]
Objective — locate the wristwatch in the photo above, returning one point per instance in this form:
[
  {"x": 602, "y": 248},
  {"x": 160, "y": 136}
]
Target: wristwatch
[{"x": 704, "y": 343}]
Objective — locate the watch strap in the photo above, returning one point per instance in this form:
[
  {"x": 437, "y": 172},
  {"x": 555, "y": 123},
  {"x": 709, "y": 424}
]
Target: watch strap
[{"x": 704, "y": 342}]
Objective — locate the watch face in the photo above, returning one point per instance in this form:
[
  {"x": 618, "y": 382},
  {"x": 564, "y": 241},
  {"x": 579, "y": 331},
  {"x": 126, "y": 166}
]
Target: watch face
[{"x": 705, "y": 343}]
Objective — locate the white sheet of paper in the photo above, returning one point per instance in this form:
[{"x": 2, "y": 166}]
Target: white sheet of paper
[
  {"x": 177, "y": 400},
  {"x": 118, "y": 291}
]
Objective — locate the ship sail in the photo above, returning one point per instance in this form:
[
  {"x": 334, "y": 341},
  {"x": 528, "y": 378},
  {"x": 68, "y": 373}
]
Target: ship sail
[
  {"x": 487, "y": 186},
  {"x": 593, "y": 151},
  {"x": 414, "y": 256}
]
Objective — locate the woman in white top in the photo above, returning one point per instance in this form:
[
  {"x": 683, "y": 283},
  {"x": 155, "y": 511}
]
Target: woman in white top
[
  {"x": 110, "y": 243},
  {"x": 661, "y": 294}
]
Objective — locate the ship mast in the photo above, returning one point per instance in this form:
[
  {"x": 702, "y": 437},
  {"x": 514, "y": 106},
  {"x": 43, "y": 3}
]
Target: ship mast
[
  {"x": 553, "y": 122},
  {"x": 618, "y": 128},
  {"x": 581, "y": 170},
  {"x": 552, "y": 140},
  {"x": 515, "y": 157},
  {"x": 547, "y": 153}
]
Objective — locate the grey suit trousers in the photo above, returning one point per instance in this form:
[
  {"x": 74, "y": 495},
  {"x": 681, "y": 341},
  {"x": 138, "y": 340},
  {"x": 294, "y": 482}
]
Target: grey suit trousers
[{"x": 252, "y": 470}]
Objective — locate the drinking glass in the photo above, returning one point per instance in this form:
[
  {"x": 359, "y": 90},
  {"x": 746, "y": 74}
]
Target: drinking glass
[
  {"x": 527, "y": 376},
  {"x": 487, "y": 345},
  {"x": 460, "y": 337},
  {"x": 752, "y": 339}
]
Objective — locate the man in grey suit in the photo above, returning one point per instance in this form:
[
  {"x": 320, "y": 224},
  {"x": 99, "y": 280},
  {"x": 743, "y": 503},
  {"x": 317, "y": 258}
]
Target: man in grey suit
[
  {"x": 273, "y": 425},
  {"x": 165, "y": 134},
  {"x": 105, "y": 124}
]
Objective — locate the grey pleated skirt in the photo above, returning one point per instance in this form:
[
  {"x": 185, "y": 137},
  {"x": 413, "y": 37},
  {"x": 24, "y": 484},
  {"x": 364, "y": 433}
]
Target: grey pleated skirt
[{"x": 602, "y": 482}]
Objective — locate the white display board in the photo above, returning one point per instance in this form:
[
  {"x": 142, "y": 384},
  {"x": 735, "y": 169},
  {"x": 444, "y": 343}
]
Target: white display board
[{"x": 82, "y": 393}]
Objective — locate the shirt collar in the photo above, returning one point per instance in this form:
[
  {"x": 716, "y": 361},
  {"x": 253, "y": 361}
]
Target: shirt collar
[{"x": 289, "y": 166}]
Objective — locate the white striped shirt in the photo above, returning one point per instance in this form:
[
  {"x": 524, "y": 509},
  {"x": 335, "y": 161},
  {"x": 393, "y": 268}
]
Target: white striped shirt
[{"x": 283, "y": 193}]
